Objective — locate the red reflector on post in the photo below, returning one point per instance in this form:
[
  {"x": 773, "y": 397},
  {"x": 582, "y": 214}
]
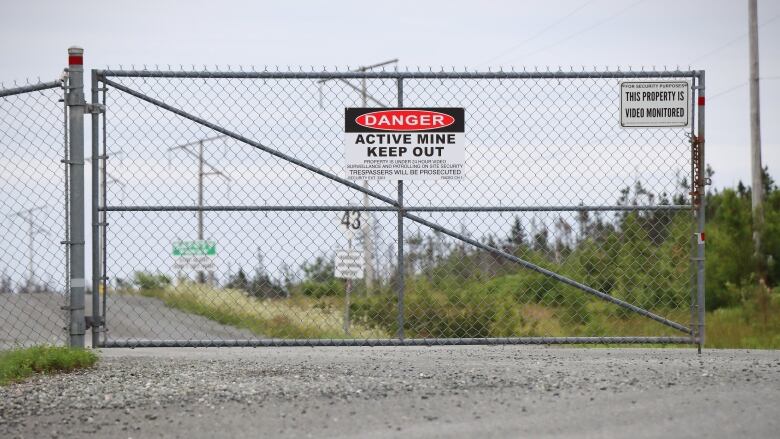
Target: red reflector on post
[
  {"x": 75, "y": 60},
  {"x": 701, "y": 101}
]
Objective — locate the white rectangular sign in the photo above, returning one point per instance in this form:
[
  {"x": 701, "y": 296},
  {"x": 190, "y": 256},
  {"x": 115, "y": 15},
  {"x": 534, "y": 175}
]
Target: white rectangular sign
[
  {"x": 194, "y": 262},
  {"x": 404, "y": 143},
  {"x": 349, "y": 264},
  {"x": 655, "y": 104}
]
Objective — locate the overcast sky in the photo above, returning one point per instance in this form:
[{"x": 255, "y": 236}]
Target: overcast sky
[{"x": 704, "y": 34}]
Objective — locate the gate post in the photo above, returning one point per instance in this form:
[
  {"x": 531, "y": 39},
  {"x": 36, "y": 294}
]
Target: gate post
[
  {"x": 76, "y": 104},
  {"x": 401, "y": 274},
  {"x": 97, "y": 319},
  {"x": 700, "y": 188}
]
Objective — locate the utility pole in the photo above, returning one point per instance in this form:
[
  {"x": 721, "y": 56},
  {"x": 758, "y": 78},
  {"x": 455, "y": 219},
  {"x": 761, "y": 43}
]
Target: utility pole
[
  {"x": 109, "y": 178},
  {"x": 201, "y": 173},
  {"x": 367, "y": 224},
  {"x": 32, "y": 230},
  {"x": 368, "y": 242},
  {"x": 755, "y": 144}
]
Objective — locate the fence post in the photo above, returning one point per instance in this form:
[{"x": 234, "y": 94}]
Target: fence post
[
  {"x": 96, "y": 281},
  {"x": 76, "y": 104},
  {"x": 401, "y": 273},
  {"x": 701, "y": 187}
]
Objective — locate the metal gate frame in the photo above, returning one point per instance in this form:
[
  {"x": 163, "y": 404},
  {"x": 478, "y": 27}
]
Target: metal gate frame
[
  {"x": 72, "y": 212},
  {"x": 101, "y": 81}
]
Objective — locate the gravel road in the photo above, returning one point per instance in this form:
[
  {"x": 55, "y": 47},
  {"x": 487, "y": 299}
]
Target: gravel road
[{"x": 465, "y": 391}]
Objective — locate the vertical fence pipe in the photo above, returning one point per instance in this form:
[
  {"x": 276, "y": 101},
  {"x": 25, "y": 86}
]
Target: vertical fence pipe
[
  {"x": 96, "y": 283},
  {"x": 104, "y": 224},
  {"x": 76, "y": 106},
  {"x": 700, "y": 214},
  {"x": 694, "y": 217},
  {"x": 401, "y": 273},
  {"x": 65, "y": 161}
]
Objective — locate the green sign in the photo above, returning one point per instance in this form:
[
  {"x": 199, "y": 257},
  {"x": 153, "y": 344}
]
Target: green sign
[{"x": 195, "y": 248}]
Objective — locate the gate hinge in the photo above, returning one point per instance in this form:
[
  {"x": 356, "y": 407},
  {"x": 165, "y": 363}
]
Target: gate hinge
[
  {"x": 90, "y": 322},
  {"x": 95, "y": 109}
]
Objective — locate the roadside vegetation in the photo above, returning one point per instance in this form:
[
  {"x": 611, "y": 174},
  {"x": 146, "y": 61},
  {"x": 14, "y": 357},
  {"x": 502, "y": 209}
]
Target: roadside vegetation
[
  {"x": 298, "y": 316},
  {"x": 454, "y": 290},
  {"x": 18, "y": 364}
]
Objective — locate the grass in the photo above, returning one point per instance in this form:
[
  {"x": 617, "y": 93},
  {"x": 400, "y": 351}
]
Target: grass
[
  {"x": 743, "y": 327},
  {"x": 296, "y": 317},
  {"x": 18, "y": 364}
]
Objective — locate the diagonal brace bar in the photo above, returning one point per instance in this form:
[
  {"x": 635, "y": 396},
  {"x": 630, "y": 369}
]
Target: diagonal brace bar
[
  {"x": 250, "y": 142},
  {"x": 556, "y": 276}
]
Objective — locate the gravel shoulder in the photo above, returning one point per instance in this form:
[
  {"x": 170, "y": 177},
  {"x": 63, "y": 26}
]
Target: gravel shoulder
[{"x": 496, "y": 391}]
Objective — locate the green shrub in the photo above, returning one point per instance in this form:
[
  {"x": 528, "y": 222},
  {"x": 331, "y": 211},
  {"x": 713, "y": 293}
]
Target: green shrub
[
  {"x": 150, "y": 281},
  {"x": 332, "y": 287}
]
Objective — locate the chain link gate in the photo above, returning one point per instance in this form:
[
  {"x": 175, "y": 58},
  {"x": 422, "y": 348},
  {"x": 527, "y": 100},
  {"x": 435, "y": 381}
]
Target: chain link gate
[
  {"x": 567, "y": 229},
  {"x": 34, "y": 198}
]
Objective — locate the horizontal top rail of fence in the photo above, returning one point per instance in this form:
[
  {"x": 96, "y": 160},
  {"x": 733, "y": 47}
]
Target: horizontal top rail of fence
[
  {"x": 5, "y": 92},
  {"x": 388, "y": 74}
]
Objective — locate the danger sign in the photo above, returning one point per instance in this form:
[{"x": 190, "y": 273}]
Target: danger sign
[
  {"x": 404, "y": 143},
  {"x": 654, "y": 104}
]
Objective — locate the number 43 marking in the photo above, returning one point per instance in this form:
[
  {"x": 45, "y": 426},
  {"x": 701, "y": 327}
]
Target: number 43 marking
[{"x": 351, "y": 219}]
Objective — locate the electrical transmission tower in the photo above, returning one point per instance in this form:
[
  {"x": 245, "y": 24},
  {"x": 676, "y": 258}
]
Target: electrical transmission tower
[
  {"x": 32, "y": 229},
  {"x": 368, "y": 224},
  {"x": 202, "y": 164},
  {"x": 109, "y": 178}
]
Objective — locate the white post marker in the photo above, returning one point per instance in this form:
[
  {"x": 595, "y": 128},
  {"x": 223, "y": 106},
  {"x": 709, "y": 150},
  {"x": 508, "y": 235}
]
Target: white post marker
[
  {"x": 656, "y": 104},
  {"x": 349, "y": 264},
  {"x": 404, "y": 143}
]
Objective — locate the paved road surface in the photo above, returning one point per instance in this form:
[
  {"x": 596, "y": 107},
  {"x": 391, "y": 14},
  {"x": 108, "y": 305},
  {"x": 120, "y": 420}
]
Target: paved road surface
[
  {"x": 38, "y": 318},
  {"x": 465, "y": 391},
  {"x": 30, "y": 319}
]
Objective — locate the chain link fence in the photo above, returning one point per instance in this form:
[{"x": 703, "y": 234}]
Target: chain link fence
[
  {"x": 34, "y": 199},
  {"x": 222, "y": 204}
]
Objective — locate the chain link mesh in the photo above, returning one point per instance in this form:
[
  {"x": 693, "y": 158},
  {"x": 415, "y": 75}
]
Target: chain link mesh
[
  {"x": 33, "y": 196},
  {"x": 551, "y": 178}
]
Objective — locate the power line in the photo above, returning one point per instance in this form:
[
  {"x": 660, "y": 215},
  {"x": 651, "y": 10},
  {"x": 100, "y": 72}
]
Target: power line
[
  {"x": 740, "y": 85},
  {"x": 728, "y": 90},
  {"x": 368, "y": 239},
  {"x": 362, "y": 88},
  {"x": 109, "y": 178},
  {"x": 539, "y": 33},
  {"x": 584, "y": 30},
  {"x": 33, "y": 229},
  {"x": 732, "y": 41},
  {"x": 201, "y": 173}
]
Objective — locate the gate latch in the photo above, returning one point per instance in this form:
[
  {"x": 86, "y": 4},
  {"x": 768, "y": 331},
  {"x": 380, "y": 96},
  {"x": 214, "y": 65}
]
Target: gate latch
[
  {"x": 95, "y": 109},
  {"x": 91, "y": 321}
]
